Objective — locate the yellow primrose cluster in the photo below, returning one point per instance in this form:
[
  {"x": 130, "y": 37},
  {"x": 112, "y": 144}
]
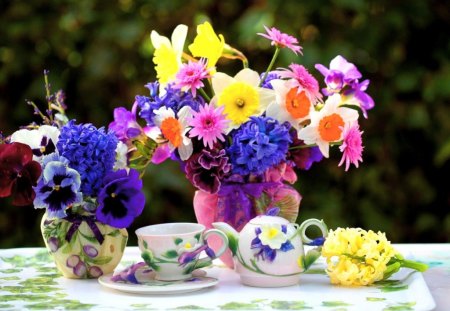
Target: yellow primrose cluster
[{"x": 356, "y": 256}]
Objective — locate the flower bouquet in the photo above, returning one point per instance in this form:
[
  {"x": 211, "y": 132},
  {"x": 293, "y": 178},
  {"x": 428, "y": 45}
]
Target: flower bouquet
[
  {"x": 239, "y": 138},
  {"x": 79, "y": 175}
]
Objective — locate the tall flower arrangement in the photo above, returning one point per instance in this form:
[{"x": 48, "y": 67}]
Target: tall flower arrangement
[{"x": 240, "y": 137}]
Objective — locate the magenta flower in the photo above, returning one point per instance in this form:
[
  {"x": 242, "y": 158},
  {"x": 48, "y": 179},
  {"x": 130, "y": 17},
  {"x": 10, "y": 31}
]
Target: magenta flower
[
  {"x": 282, "y": 40},
  {"x": 304, "y": 79},
  {"x": 352, "y": 145},
  {"x": 208, "y": 124},
  {"x": 190, "y": 76}
]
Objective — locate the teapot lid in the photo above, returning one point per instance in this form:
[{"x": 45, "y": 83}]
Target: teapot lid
[{"x": 265, "y": 219}]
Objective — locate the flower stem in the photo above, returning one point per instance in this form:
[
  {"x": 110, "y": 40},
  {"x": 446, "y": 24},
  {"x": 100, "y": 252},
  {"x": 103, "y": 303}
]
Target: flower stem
[
  {"x": 272, "y": 62},
  {"x": 414, "y": 265},
  {"x": 202, "y": 91},
  {"x": 312, "y": 145}
]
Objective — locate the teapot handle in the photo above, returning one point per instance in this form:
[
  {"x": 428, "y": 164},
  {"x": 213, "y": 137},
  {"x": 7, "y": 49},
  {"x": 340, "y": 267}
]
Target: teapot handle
[{"x": 312, "y": 222}]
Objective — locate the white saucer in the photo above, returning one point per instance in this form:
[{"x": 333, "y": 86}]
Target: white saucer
[{"x": 149, "y": 286}]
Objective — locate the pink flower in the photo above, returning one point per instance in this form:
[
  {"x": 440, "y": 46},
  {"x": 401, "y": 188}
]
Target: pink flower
[
  {"x": 352, "y": 145},
  {"x": 208, "y": 124},
  {"x": 282, "y": 40},
  {"x": 304, "y": 80},
  {"x": 190, "y": 76}
]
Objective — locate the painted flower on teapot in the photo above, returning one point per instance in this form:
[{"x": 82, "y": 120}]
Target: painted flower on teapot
[{"x": 269, "y": 252}]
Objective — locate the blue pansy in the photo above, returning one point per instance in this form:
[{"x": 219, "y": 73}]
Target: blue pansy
[{"x": 58, "y": 189}]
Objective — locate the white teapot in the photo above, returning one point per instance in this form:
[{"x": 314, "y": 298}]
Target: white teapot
[{"x": 269, "y": 252}]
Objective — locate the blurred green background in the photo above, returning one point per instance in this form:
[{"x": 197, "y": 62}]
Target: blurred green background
[{"x": 99, "y": 52}]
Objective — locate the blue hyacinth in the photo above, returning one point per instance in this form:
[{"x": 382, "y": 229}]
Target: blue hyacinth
[
  {"x": 173, "y": 99},
  {"x": 259, "y": 144},
  {"x": 90, "y": 151}
]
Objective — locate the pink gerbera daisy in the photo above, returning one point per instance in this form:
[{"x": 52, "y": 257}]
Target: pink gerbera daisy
[
  {"x": 282, "y": 40},
  {"x": 304, "y": 79},
  {"x": 190, "y": 76},
  {"x": 352, "y": 145},
  {"x": 209, "y": 124}
]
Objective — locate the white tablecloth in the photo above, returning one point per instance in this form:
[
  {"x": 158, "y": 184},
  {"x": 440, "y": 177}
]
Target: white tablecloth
[{"x": 29, "y": 280}]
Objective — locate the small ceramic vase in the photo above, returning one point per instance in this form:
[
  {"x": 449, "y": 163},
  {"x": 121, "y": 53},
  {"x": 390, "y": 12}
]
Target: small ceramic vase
[{"x": 83, "y": 248}]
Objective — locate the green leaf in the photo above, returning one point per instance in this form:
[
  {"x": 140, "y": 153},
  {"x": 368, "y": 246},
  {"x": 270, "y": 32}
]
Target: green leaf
[
  {"x": 170, "y": 254},
  {"x": 375, "y": 299},
  {"x": 310, "y": 257},
  {"x": 145, "y": 244},
  {"x": 289, "y": 305},
  {"x": 114, "y": 233},
  {"x": 335, "y": 304},
  {"x": 197, "y": 236},
  {"x": 239, "y": 306},
  {"x": 232, "y": 243},
  {"x": 100, "y": 260},
  {"x": 178, "y": 241}
]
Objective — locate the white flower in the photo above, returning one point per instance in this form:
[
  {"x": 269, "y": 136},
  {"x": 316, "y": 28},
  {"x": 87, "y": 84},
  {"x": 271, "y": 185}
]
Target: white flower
[
  {"x": 121, "y": 156},
  {"x": 327, "y": 124},
  {"x": 272, "y": 236},
  {"x": 174, "y": 130},
  {"x": 42, "y": 140}
]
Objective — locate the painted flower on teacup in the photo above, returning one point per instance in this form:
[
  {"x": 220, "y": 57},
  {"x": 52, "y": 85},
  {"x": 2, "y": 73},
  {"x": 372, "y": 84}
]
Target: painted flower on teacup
[
  {"x": 188, "y": 245},
  {"x": 269, "y": 239}
]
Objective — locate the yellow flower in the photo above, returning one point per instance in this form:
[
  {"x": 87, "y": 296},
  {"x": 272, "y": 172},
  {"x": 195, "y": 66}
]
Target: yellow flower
[
  {"x": 241, "y": 96},
  {"x": 207, "y": 44},
  {"x": 167, "y": 56},
  {"x": 357, "y": 257}
]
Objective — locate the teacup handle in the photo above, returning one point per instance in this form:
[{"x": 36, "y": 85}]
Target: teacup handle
[
  {"x": 312, "y": 222},
  {"x": 222, "y": 236}
]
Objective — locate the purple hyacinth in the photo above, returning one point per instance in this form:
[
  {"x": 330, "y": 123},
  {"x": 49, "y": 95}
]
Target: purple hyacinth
[
  {"x": 125, "y": 125},
  {"x": 340, "y": 73},
  {"x": 121, "y": 198},
  {"x": 90, "y": 151},
  {"x": 303, "y": 158},
  {"x": 206, "y": 169},
  {"x": 174, "y": 99},
  {"x": 259, "y": 144}
]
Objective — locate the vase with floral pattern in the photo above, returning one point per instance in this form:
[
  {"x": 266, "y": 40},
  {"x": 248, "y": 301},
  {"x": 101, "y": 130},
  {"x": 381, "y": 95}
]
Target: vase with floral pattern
[{"x": 82, "y": 247}]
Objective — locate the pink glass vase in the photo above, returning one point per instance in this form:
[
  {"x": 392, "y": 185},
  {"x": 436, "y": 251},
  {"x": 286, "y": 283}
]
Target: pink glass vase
[{"x": 211, "y": 208}]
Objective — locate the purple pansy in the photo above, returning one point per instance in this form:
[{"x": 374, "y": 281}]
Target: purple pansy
[
  {"x": 58, "y": 189},
  {"x": 121, "y": 199},
  {"x": 358, "y": 92},
  {"x": 207, "y": 169}
]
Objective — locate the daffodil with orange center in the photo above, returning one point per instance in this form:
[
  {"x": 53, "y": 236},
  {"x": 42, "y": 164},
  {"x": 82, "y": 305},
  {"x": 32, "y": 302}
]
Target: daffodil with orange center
[
  {"x": 173, "y": 129},
  {"x": 327, "y": 125},
  {"x": 240, "y": 96},
  {"x": 292, "y": 103}
]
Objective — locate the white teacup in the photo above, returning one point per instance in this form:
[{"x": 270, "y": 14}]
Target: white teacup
[{"x": 172, "y": 250}]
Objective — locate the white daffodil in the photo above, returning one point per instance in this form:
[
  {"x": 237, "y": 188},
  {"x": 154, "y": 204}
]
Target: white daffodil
[
  {"x": 174, "y": 129},
  {"x": 42, "y": 140},
  {"x": 292, "y": 103},
  {"x": 121, "y": 156},
  {"x": 327, "y": 124},
  {"x": 241, "y": 96},
  {"x": 167, "y": 56}
]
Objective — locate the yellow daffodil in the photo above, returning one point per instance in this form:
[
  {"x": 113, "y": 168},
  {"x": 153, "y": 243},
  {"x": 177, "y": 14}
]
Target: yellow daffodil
[
  {"x": 207, "y": 44},
  {"x": 167, "y": 56},
  {"x": 240, "y": 96}
]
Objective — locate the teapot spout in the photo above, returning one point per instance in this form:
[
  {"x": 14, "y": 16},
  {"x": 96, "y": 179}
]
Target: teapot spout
[{"x": 231, "y": 233}]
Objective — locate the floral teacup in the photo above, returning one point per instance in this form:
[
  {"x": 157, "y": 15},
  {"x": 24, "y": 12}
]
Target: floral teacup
[{"x": 172, "y": 250}]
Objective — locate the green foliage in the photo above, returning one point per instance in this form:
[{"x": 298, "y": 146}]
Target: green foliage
[{"x": 100, "y": 54}]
